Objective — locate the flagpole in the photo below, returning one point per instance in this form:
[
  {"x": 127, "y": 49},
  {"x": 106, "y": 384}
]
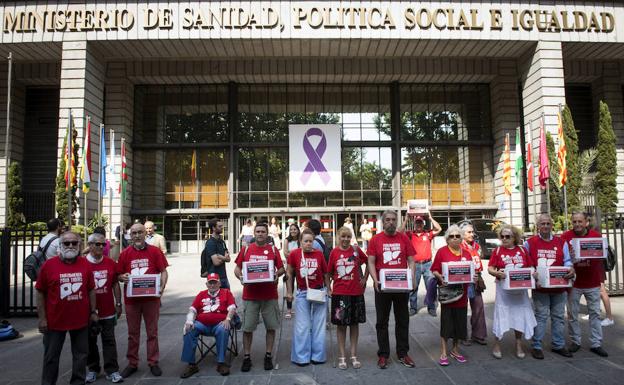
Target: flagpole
[
  {"x": 121, "y": 181},
  {"x": 85, "y": 147},
  {"x": 532, "y": 170},
  {"x": 565, "y": 193},
  {"x": 7, "y": 149},
  {"x": 110, "y": 188},
  {"x": 99, "y": 202},
  {"x": 548, "y": 180},
  {"x": 68, "y": 170}
]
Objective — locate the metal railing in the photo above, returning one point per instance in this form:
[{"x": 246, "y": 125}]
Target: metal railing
[{"x": 612, "y": 227}]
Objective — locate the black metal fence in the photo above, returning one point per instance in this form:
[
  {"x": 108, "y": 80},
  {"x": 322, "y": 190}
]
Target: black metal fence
[
  {"x": 612, "y": 227},
  {"x": 17, "y": 291}
]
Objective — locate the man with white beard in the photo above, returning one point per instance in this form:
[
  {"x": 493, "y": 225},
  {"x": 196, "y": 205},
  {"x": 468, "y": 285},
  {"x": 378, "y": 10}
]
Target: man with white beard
[{"x": 65, "y": 302}]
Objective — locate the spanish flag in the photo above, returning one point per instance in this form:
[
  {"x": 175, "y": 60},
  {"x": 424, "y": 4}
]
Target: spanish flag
[
  {"x": 507, "y": 167},
  {"x": 194, "y": 167},
  {"x": 70, "y": 159},
  {"x": 561, "y": 154}
]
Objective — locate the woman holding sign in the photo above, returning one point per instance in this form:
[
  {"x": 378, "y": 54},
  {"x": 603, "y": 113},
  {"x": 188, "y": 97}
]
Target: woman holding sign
[
  {"x": 453, "y": 316},
  {"x": 512, "y": 308},
  {"x": 347, "y": 301},
  {"x": 309, "y": 267}
]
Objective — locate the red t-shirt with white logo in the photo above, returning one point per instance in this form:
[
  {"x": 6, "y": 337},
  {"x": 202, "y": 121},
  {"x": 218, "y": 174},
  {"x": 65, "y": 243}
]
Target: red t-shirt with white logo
[
  {"x": 589, "y": 272},
  {"x": 66, "y": 288},
  {"x": 446, "y": 255},
  {"x": 390, "y": 251},
  {"x": 421, "y": 242},
  {"x": 212, "y": 310},
  {"x": 345, "y": 269},
  {"x": 315, "y": 268},
  {"x": 149, "y": 260},
  {"x": 503, "y": 257},
  {"x": 104, "y": 275},
  {"x": 260, "y": 291},
  {"x": 546, "y": 253},
  {"x": 475, "y": 252}
]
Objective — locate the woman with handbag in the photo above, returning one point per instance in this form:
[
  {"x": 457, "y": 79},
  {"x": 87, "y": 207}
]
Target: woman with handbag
[
  {"x": 512, "y": 308},
  {"x": 477, "y": 319},
  {"x": 347, "y": 301},
  {"x": 453, "y": 314},
  {"x": 309, "y": 267}
]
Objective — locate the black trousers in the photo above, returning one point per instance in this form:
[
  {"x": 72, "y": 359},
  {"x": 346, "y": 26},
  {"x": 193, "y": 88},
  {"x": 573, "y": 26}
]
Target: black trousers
[
  {"x": 53, "y": 341},
  {"x": 384, "y": 302},
  {"x": 109, "y": 348}
]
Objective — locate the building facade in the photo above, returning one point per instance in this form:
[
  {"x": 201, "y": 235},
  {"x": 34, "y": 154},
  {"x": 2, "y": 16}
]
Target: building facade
[{"x": 424, "y": 94}]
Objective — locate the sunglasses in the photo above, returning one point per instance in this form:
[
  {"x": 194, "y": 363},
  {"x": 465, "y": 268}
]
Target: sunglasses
[
  {"x": 506, "y": 236},
  {"x": 72, "y": 243},
  {"x": 99, "y": 244},
  {"x": 454, "y": 236}
]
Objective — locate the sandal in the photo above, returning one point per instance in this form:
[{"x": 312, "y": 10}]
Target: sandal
[
  {"x": 443, "y": 361},
  {"x": 458, "y": 357},
  {"x": 356, "y": 364},
  {"x": 342, "y": 363},
  {"x": 288, "y": 315}
]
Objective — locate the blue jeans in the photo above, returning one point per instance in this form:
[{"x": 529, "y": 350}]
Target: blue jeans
[
  {"x": 308, "y": 341},
  {"x": 422, "y": 270},
  {"x": 552, "y": 304},
  {"x": 190, "y": 341},
  {"x": 592, "y": 296}
]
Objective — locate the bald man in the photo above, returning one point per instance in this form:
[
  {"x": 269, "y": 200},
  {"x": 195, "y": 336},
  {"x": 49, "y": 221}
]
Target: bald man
[
  {"x": 153, "y": 238},
  {"x": 138, "y": 259}
]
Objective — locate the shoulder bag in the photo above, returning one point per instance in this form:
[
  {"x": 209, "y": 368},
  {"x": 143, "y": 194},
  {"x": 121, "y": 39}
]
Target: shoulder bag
[{"x": 312, "y": 295}]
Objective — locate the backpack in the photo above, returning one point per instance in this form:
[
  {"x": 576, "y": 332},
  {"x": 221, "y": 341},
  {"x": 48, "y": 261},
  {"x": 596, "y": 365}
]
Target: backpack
[
  {"x": 611, "y": 260},
  {"x": 33, "y": 263},
  {"x": 7, "y": 331},
  {"x": 326, "y": 250}
]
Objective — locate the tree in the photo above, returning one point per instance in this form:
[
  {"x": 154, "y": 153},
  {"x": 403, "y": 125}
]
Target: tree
[
  {"x": 15, "y": 216},
  {"x": 575, "y": 181},
  {"x": 61, "y": 192},
  {"x": 606, "y": 162}
]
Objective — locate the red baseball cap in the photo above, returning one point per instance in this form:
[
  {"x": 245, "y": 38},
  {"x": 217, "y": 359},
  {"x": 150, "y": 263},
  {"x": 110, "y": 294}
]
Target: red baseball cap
[
  {"x": 213, "y": 277},
  {"x": 419, "y": 218}
]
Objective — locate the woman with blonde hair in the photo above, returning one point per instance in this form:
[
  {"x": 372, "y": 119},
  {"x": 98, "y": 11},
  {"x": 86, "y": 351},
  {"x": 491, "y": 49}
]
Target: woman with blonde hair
[
  {"x": 347, "y": 301},
  {"x": 512, "y": 308}
]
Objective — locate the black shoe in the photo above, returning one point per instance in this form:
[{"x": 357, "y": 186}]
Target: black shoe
[
  {"x": 246, "y": 364},
  {"x": 562, "y": 352},
  {"x": 223, "y": 369},
  {"x": 317, "y": 362},
  {"x": 268, "y": 362},
  {"x": 599, "y": 351},
  {"x": 412, "y": 312},
  {"x": 190, "y": 370},
  {"x": 574, "y": 347},
  {"x": 128, "y": 371},
  {"x": 432, "y": 312},
  {"x": 538, "y": 354},
  {"x": 156, "y": 371}
]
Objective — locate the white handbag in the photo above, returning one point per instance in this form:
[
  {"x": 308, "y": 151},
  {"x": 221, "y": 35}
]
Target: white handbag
[{"x": 312, "y": 295}]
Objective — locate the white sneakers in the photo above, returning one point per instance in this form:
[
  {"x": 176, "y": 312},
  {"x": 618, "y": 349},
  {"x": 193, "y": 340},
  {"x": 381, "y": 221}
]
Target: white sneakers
[
  {"x": 115, "y": 377},
  {"x": 607, "y": 322},
  {"x": 91, "y": 377}
]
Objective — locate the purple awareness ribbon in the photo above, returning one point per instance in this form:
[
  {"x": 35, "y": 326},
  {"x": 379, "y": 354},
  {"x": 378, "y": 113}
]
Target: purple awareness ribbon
[{"x": 314, "y": 156}]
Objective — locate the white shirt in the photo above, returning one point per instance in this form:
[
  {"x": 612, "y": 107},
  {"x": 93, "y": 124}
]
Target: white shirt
[{"x": 53, "y": 249}]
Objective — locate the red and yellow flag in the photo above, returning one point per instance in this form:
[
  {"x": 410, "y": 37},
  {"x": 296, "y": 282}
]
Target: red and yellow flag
[
  {"x": 507, "y": 167},
  {"x": 194, "y": 167},
  {"x": 561, "y": 153},
  {"x": 70, "y": 169}
]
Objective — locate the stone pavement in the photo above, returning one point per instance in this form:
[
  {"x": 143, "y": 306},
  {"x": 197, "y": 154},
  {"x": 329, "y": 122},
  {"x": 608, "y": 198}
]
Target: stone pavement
[{"x": 20, "y": 360}]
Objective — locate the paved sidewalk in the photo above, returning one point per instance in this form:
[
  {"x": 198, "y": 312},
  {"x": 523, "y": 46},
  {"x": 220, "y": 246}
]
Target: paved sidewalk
[{"x": 21, "y": 359}]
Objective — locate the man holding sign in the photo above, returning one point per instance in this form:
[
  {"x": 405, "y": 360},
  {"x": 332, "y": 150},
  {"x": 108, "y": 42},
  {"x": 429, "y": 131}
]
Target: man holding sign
[
  {"x": 546, "y": 250},
  {"x": 259, "y": 266},
  {"x": 143, "y": 268},
  {"x": 391, "y": 250},
  {"x": 589, "y": 276}
]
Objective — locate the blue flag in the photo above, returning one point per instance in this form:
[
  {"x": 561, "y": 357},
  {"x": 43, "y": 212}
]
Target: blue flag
[{"x": 102, "y": 175}]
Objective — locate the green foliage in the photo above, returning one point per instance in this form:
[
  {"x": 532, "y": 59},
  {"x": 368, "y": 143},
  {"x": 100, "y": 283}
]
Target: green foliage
[
  {"x": 15, "y": 217},
  {"x": 555, "y": 194},
  {"x": 80, "y": 229},
  {"x": 585, "y": 165},
  {"x": 606, "y": 162},
  {"x": 575, "y": 180},
  {"x": 98, "y": 220},
  {"x": 42, "y": 226},
  {"x": 60, "y": 191}
]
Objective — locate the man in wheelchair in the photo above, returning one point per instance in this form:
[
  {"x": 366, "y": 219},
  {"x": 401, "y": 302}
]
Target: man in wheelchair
[{"x": 212, "y": 313}]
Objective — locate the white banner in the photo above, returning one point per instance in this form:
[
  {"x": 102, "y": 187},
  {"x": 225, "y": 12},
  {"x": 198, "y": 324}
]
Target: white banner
[{"x": 315, "y": 157}]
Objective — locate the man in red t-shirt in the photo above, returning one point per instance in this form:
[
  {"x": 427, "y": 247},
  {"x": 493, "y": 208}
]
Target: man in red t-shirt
[
  {"x": 138, "y": 259},
  {"x": 546, "y": 249},
  {"x": 259, "y": 297},
  {"x": 421, "y": 241},
  {"x": 108, "y": 297},
  {"x": 391, "y": 250},
  {"x": 210, "y": 314},
  {"x": 589, "y": 276},
  {"x": 65, "y": 302}
]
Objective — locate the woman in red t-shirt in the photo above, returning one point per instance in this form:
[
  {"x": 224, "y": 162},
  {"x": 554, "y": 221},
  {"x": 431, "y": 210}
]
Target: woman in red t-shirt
[
  {"x": 454, "y": 315},
  {"x": 347, "y": 303},
  {"x": 512, "y": 308},
  {"x": 309, "y": 267}
]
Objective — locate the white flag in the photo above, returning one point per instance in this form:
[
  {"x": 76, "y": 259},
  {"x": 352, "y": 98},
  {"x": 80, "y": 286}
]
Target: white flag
[{"x": 111, "y": 178}]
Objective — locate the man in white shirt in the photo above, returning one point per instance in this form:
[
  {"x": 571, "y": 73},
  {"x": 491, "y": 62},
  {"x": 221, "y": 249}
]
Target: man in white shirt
[{"x": 55, "y": 229}]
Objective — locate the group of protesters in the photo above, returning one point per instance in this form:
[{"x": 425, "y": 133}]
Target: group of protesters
[{"x": 319, "y": 284}]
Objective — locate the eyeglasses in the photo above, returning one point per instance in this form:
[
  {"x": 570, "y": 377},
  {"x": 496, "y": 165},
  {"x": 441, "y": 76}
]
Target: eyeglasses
[
  {"x": 72, "y": 243},
  {"x": 98, "y": 244},
  {"x": 454, "y": 236},
  {"x": 506, "y": 236}
]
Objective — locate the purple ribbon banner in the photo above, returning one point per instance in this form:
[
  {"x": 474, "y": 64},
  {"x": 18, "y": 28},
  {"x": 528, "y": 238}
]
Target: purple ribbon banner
[{"x": 314, "y": 156}]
